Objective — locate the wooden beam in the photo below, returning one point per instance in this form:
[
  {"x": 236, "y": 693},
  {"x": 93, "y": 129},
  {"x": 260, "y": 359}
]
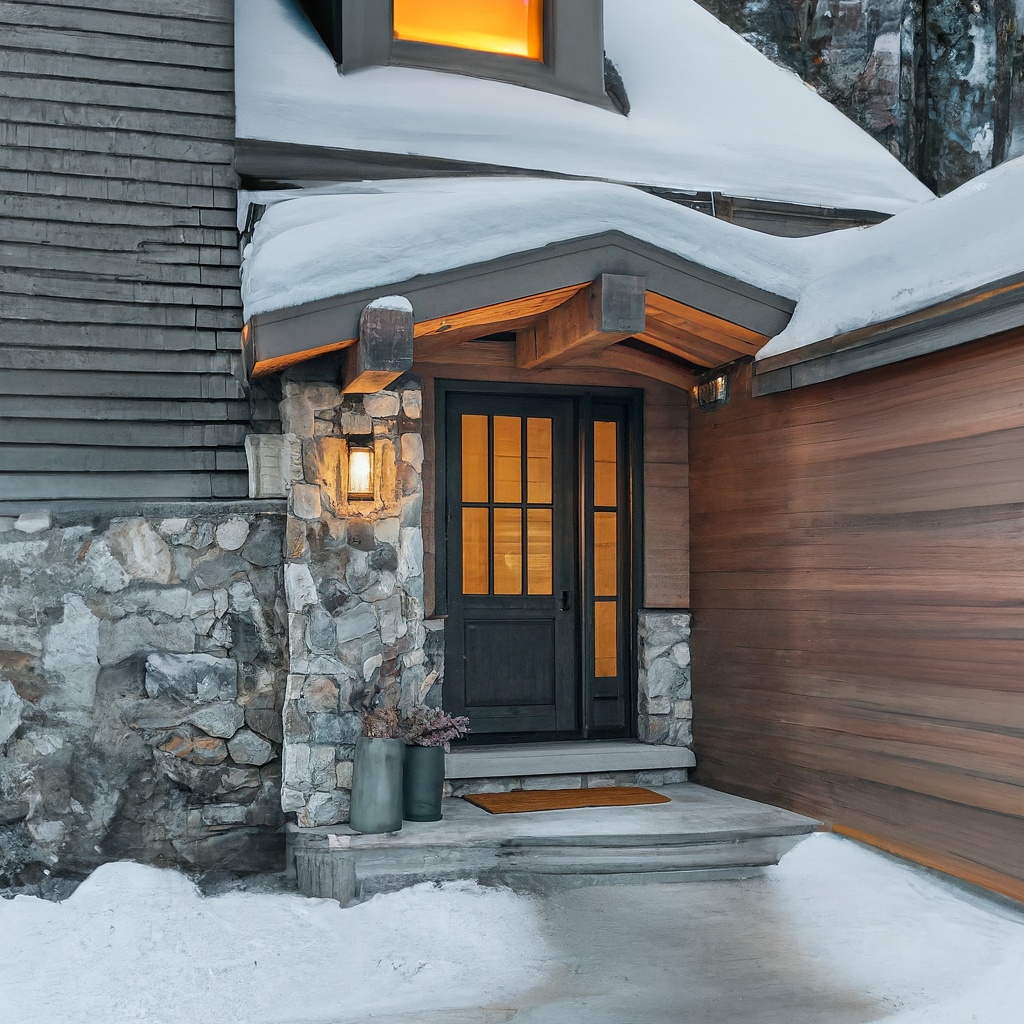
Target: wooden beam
[
  {"x": 618, "y": 357},
  {"x": 610, "y": 310},
  {"x": 384, "y": 349}
]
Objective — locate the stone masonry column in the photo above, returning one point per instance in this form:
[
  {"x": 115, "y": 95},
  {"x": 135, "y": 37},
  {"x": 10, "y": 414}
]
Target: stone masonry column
[
  {"x": 354, "y": 585},
  {"x": 665, "y": 708}
]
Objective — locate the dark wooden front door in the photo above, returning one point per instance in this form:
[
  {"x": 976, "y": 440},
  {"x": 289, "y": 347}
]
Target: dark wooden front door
[{"x": 537, "y": 540}]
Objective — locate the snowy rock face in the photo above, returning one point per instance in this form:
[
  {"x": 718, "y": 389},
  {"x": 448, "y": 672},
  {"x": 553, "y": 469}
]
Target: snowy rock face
[
  {"x": 354, "y": 581},
  {"x": 943, "y": 93},
  {"x": 142, "y": 672}
]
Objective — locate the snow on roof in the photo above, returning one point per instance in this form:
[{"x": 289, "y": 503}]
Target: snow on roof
[
  {"x": 708, "y": 112},
  {"x": 316, "y": 244},
  {"x": 937, "y": 251}
]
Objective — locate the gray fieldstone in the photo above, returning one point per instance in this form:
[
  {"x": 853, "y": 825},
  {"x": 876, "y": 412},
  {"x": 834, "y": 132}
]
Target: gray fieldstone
[
  {"x": 662, "y": 678},
  {"x": 135, "y": 634},
  {"x": 297, "y": 415},
  {"x": 321, "y": 694},
  {"x": 355, "y": 622},
  {"x": 214, "y": 570},
  {"x": 7, "y": 523},
  {"x": 680, "y": 654},
  {"x": 223, "y": 719},
  {"x": 299, "y": 587},
  {"x": 33, "y": 522},
  {"x": 108, "y": 573},
  {"x": 71, "y": 657},
  {"x": 410, "y": 556},
  {"x": 321, "y": 636},
  {"x": 199, "y": 677},
  {"x": 382, "y": 405},
  {"x": 387, "y": 531},
  {"x": 224, "y": 814},
  {"x": 324, "y": 809},
  {"x": 265, "y": 545},
  {"x": 232, "y": 534},
  {"x": 141, "y": 550},
  {"x": 306, "y": 501},
  {"x": 173, "y": 528},
  {"x": 297, "y": 772},
  {"x": 412, "y": 403},
  {"x": 323, "y": 767},
  {"x": 266, "y": 722},
  {"x": 292, "y": 799},
  {"x": 412, "y": 451},
  {"x": 343, "y": 775},
  {"x": 355, "y": 423},
  {"x": 248, "y": 748},
  {"x": 11, "y": 706}
]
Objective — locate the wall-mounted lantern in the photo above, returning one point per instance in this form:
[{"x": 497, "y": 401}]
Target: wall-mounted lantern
[
  {"x": 360, "y": 469},
  {"x": 712, "y": 390}
]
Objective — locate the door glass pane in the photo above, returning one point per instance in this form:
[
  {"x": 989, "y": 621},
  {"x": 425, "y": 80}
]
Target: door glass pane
[
  {"x": 475, "y": 549},
  {"x": 605, "y": 480},
  {"x": 508, "y": 458},
  {"x": 606, "y": 661},
  {"x": 538, "y": 455},
  {"x": 538, "y": 550},
  {"x": 474, "y": 458},
  {"x": 508, "y": 551},
  {"x": 605, "y": 554},
  {"x": 514, "y": 27}
]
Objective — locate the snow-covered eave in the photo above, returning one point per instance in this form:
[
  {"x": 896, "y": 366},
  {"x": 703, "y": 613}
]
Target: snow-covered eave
[
  {"x": 281, "y": 337},
  {"x": 971, "y": 316},
  {"x": 264, "y": 159}
]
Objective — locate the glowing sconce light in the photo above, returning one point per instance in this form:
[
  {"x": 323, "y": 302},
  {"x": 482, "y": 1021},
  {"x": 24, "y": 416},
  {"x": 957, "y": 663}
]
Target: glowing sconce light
[
  {"x": 712, "y": 390},
  {"x": 360, "y": 469}
]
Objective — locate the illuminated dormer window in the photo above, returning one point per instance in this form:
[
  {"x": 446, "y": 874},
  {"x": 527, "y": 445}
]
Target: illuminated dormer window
[
  {"x": 553, "y": 45},
  {"x": 511, "y": 27}
]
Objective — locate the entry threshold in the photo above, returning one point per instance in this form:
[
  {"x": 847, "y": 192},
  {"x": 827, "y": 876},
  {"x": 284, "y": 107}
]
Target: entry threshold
[{"x": 564, "y": 758}]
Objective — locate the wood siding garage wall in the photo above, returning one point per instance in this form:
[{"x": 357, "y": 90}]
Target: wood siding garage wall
[
  {"x": 858, "y": 595},
  {"x": 119, "y": 304}
]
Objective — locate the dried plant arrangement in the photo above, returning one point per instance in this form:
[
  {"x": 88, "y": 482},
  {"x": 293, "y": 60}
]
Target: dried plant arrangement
[
  {"x": 381, "y": 724},
  {"x": 432, "y": 727}
]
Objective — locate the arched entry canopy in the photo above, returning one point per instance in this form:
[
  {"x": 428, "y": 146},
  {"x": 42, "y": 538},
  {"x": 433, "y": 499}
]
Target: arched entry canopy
[{"x": 581, "y": 273}]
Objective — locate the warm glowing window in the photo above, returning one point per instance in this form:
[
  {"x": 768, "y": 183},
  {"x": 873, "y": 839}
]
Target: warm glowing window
[{"x": 514, "y": 27}]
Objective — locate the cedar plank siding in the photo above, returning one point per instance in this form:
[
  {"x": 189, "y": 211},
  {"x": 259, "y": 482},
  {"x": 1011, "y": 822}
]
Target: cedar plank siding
[
  {"x": 858, "y": 596},
  {"x": 119, "y": 302},
  {"x": 666, "y": 569}
]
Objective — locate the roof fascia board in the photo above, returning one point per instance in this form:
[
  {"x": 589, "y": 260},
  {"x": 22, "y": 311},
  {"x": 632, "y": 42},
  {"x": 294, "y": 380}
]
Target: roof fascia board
[
  {"x": 274, "y": 335},
  {"x": 980, "y": 314}
]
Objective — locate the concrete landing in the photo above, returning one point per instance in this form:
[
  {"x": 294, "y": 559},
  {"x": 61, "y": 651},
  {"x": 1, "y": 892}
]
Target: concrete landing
[{"x": 700, "y": 834}]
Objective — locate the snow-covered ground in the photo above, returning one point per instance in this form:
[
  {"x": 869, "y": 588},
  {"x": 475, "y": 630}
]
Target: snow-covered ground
[{"x": 140, "y": 945}]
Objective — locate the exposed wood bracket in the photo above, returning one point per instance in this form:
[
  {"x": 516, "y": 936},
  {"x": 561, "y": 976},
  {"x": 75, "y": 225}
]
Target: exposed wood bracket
[
  {"x": 384, "y": 349},
  {"x": 610, "y": 310}
]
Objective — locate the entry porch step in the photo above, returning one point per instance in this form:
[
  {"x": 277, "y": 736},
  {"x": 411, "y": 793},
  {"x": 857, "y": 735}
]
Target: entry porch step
[
  {"x": 699, "y": 834},
  {"x": 568, "y": 758}
]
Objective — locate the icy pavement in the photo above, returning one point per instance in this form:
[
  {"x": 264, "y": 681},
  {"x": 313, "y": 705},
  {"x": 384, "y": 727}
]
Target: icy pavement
[{"x": 836, "y": 934}]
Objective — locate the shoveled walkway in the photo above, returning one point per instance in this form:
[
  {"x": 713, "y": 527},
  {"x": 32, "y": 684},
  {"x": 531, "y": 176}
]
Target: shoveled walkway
[{"x": 699, "y": 834}]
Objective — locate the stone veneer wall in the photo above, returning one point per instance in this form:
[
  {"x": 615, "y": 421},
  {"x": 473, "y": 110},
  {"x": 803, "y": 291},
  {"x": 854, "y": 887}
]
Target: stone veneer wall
[
  {"x": 354, "y": 582},
  {"x": 665, "y": 707},
  {"x": 141, "y": 681}
]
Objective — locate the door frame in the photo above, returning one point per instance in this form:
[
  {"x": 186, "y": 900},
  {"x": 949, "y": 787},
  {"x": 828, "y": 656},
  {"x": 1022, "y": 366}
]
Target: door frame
[{"x": 632, "y": 399}]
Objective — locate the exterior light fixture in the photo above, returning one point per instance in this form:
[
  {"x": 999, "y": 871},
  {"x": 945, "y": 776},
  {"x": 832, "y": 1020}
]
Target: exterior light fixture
[
  {"x": 360, "y": 469},
  {"x": 712, "y": 391}
]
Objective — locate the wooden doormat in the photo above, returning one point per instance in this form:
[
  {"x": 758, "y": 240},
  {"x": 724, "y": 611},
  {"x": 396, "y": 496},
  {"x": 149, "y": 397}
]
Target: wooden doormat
[{"x": 563, "y": 799}]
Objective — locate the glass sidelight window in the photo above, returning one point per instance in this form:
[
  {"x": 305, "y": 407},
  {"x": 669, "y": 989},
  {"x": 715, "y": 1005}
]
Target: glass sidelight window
[
  {"x": 507, "y": 512},
  {"x": 605, "y": 533}
]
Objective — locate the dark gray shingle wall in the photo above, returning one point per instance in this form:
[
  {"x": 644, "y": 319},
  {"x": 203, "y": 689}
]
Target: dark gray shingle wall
[{"x": 119, "y": 305}]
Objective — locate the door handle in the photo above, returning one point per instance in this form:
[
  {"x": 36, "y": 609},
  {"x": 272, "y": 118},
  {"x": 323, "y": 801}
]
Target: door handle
[{"x": 566, "y": 602}]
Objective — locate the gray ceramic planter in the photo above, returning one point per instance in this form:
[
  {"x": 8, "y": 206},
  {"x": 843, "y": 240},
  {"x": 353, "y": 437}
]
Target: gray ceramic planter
[
  {"x": 377, "y": 786},
  {"x": 423, "y": 783}
]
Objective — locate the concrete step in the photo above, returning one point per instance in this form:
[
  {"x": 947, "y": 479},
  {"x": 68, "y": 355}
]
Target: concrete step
[
  {"x": 698, "y": 834},
  {"x": 569, "y": 758}
]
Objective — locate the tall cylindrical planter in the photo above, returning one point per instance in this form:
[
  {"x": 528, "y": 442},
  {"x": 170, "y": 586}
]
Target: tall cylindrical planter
[
  {"x": 377, "y": 786},
  {"x": 423, "y": 783}
]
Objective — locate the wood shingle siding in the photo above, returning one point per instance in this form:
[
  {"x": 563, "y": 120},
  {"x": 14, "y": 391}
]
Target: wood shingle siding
[
  {"x": 119, "y": 304},
  {"x": 858, "y": 599}
]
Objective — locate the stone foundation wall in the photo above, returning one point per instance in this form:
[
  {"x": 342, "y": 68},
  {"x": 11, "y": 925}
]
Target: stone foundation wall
[
  {"x": 142, "y": 670},
  {"x": 665, "y": 707},
  {"x": 354, "y": 581}
]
